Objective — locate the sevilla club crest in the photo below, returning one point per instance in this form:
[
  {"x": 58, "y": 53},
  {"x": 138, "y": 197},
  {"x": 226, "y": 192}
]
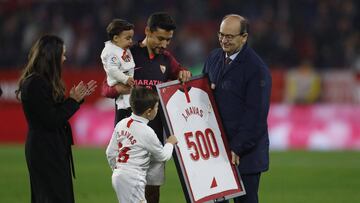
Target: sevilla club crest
[{"x": 162, "y": 68}]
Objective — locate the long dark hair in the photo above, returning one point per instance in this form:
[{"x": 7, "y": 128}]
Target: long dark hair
[{"x": 44, "y": 59}]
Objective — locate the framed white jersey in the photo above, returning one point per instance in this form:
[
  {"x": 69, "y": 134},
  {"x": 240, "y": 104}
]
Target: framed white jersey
[{"x": 202, "y": 153}]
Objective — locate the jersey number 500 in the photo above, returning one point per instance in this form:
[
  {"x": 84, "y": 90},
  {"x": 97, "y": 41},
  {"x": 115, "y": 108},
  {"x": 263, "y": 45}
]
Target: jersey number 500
[{"x": 204, "y": 145}]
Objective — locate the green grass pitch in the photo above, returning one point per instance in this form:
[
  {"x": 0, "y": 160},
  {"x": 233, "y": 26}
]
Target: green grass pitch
[{"x": 294, "y": 177}]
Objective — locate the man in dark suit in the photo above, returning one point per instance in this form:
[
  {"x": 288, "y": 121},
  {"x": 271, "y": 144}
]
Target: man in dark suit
[{"x": 241, "y": 82}]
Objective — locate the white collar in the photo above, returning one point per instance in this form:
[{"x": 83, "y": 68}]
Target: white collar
[
  {"x": 139, "y": 118},
  {"x": 233, "y": 56}
]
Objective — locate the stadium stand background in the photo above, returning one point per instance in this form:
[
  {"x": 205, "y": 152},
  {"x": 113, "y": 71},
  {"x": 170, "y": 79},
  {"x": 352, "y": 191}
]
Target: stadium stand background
[{"x": 284, "y": 32}]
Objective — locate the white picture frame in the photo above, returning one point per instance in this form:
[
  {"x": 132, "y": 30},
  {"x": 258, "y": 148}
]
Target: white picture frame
[{"x": 202, "y": 155}]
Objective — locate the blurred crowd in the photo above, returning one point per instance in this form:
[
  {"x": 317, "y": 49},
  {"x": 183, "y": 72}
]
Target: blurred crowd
[{"x": 324, "y": 33}]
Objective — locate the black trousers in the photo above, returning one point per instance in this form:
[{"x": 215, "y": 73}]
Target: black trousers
[
  {"x": 251, "y": 184},
  {"x": 121, "y": 114}
]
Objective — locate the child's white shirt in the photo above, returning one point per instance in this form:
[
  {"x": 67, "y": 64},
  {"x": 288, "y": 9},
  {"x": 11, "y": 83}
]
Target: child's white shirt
[
  {"x": 132, "y": 145},
  {"x": 118, "y": 67}
]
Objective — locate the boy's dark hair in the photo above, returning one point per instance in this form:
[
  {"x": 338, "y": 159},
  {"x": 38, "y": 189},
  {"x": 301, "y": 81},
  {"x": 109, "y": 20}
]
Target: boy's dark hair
[
  {"x": 161, "y": 20},
  {"x": 141, "y": 99},
  {"x": 117, "y": 26}
]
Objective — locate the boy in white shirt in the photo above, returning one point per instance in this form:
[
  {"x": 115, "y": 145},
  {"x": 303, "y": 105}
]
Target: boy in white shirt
[
  {"x": 133, "y": 144},
  {"x": 117, "y": 59}
]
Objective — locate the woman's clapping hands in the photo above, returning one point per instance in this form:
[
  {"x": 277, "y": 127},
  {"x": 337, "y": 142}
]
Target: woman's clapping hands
[{"x": 82, "y": 90}]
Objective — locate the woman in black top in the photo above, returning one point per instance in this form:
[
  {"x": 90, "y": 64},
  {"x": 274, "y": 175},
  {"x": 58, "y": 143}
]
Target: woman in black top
[{"x": 47, "y": 111}]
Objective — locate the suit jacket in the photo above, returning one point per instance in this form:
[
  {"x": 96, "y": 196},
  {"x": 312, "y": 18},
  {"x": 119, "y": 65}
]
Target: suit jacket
[
  {"x": 48, "y": 142},
  {"x": 242, "y": 93}
]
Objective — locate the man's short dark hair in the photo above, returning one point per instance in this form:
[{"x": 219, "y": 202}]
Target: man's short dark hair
[
  {"x": 141, "y": 99},
  {"x": 117, "y": 26},
  {"x": 161, "y": 20}
]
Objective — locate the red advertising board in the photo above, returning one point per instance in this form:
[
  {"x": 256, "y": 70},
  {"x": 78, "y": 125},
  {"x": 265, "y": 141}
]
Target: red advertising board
[
  {"x": 324, "y": 126},
  {"x": 13, "y": 127}
]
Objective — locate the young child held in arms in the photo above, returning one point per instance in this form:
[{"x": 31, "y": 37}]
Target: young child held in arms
[
  {"x": 117, "y": 58},
  {"x": 132, "y": 144}
]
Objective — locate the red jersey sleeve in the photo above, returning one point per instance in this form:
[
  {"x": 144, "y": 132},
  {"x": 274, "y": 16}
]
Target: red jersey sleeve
[
  {"x": 175, "y": 66},
  {"x": 108, "y": 91}
]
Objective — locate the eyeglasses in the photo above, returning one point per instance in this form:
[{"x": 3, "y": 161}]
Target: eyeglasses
[{"x": 227, "y": 36}]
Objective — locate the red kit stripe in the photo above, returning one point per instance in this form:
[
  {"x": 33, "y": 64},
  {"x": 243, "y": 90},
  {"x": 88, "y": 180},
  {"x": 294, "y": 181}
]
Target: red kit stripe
[
  {"x": 129, "y": 123},
  {"x": 186, "y": 93}
]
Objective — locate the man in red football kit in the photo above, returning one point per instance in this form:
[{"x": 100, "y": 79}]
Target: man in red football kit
[{"x": 153, "y": 65}]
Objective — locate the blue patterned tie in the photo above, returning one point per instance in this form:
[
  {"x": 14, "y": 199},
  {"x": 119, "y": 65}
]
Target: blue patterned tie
[{"x": 227, "y": 60}]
